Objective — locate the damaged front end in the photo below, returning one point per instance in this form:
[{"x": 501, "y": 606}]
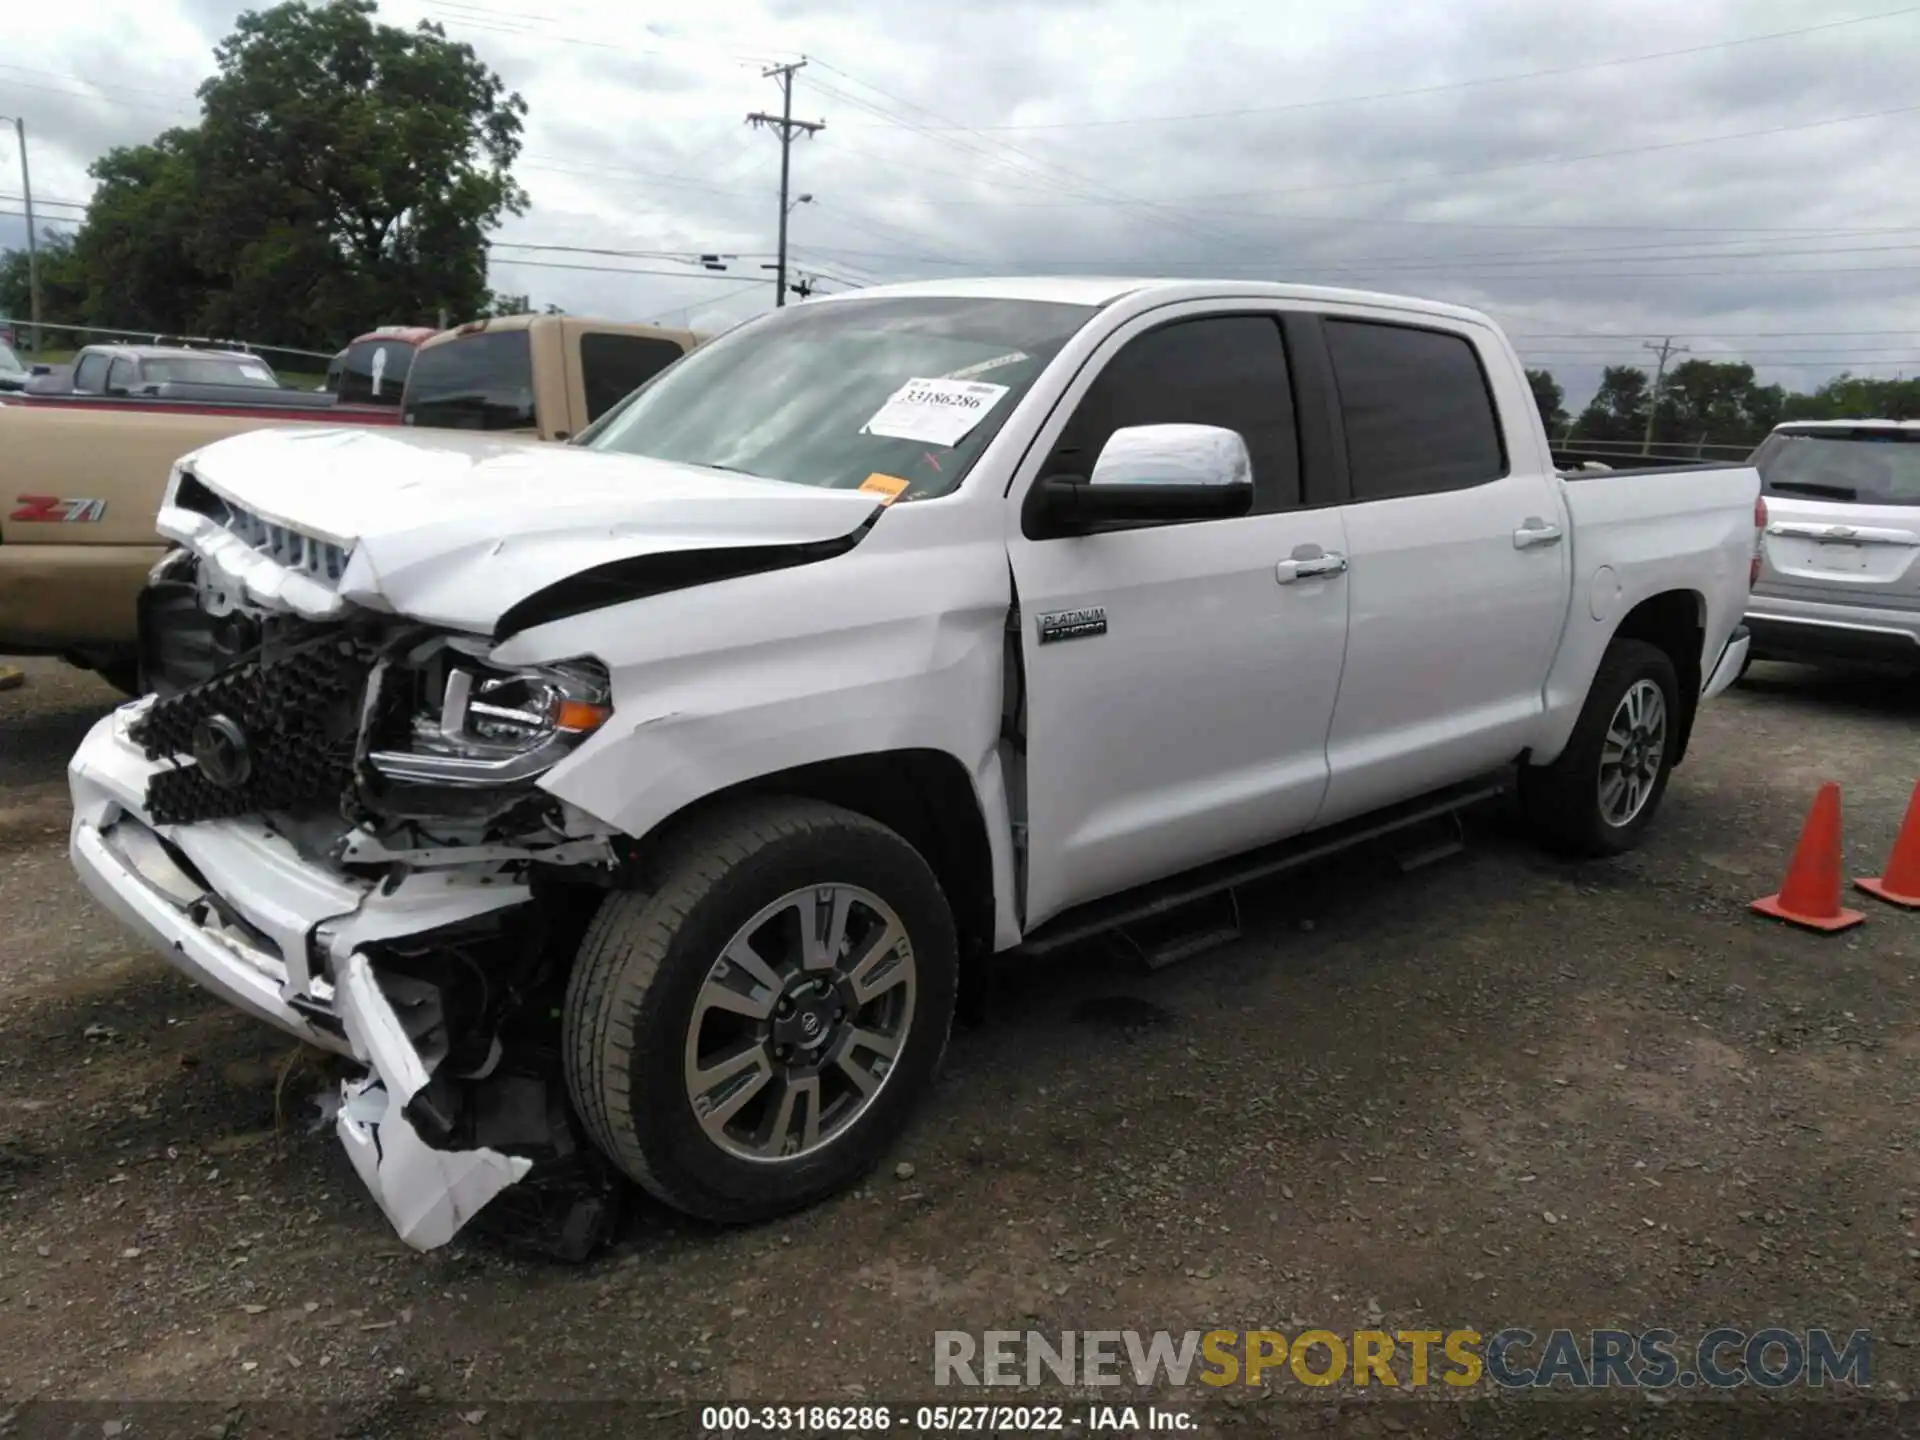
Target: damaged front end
[{"x": 336, "y": 825}]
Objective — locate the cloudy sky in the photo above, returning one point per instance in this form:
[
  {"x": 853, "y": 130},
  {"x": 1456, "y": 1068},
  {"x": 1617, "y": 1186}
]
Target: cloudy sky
[{"x": 1736, "y": 175}]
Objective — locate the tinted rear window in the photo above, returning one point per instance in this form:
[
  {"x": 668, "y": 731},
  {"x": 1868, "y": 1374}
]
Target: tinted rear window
[
  {"x": 1419, "y": 417},
  {"x": 482, "y": 381},
  {"x": 375, "y": 372},
  {"x": 1857, "y": 467},
  {"x": 612, "y": 367},
  {"x": 198, "y": 370}
]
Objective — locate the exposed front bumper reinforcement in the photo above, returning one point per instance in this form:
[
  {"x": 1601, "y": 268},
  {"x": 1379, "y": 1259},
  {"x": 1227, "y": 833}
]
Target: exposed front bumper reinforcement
[{"x": 238, "y": 910}]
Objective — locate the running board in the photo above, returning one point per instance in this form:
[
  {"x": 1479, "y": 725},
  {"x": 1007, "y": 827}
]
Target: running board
[{"x": 1163, "y": 896}]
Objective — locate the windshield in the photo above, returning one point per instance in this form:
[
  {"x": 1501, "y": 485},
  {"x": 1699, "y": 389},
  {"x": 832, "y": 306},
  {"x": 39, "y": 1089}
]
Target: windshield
[
  {"x": 481, "y": 381},
  {"x": 206, "y": 371},
  {"x": 1862, "y": 467},
  {"x": 895, "y": 396},
  {"x": 9, "y": 360}
]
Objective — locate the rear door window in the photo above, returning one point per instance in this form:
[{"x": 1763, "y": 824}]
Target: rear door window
[
  {"x": 374, "y": 372},
  {"x": 482, "y": 381},
  {"x": 1418, "y": 413},
  {"x": 613, "y": 366}
]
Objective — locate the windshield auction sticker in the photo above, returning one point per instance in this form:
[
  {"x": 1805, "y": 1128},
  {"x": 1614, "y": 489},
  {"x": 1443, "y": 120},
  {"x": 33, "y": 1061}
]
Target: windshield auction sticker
[{"x": 934, "y": 412}]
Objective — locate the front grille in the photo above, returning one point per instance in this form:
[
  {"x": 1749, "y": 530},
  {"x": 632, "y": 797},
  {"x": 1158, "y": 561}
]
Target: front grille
[
  {"x": 319, "y": 558},
  {"x": 322, "y": 559},
  {"x": 297, "y": 714}
]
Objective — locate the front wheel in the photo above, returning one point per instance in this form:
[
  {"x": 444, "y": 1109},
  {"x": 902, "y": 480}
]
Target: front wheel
[
  {"x": 752, "y": 1032},
  {"x": 1601, "y": 794}
]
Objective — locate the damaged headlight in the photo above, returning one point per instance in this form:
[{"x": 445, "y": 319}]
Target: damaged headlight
[{"x": 476, "y": 725}]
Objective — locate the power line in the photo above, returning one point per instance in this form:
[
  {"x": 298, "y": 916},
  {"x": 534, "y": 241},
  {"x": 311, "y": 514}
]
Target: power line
[
  {"x": 89, "y": 95},
  {"x": 1666, "y": 348},
  {"x": 1728, "y": 358},
  {"x": 705, "y": 303},
  {"x": 38, "y": 202},
  {"x": 1112, "y": 196},
  {"x": 788, "y": 127},
  {"x": 691, "y": 256},
  {"x": 1323, "y": 186},
  {"x": 1441, "y": 88},
  {"x": 1435, "y": 260},
  {"x": 1701, "y": 334},
  {"x": 610, "y": 269}
]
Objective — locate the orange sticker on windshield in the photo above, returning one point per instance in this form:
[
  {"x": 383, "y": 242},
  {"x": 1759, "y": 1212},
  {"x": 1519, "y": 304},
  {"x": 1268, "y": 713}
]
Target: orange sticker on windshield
[{"x": 889, "y": 486}]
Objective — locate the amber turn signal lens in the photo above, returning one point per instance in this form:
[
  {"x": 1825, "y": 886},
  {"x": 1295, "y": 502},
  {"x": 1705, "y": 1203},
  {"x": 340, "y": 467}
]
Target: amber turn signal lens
[{"x": 580, "y": 716}]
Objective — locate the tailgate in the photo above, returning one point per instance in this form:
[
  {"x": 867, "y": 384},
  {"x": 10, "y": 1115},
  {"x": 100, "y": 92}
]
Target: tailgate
[{"x": 1844, "y": 515}]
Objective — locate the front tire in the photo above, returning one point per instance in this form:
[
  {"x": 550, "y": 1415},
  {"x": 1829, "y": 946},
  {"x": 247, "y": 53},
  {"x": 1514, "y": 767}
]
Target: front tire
[
  {"x": 1599, "y": 797},
  {"x": 752, "y": 1031}
]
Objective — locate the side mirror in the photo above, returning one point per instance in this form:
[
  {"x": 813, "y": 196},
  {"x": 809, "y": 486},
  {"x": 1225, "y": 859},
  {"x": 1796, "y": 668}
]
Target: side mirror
[{"x": 1154, "y": 474}]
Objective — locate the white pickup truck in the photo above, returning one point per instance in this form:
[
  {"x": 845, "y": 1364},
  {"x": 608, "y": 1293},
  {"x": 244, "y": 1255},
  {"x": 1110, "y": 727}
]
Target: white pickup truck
[{"x": 647, "y": 797}]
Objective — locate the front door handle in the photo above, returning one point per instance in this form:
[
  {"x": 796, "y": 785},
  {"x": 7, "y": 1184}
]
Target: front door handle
[
  {"x": 1309, "y": 562},
  {"x": 1535, "y": 532}
]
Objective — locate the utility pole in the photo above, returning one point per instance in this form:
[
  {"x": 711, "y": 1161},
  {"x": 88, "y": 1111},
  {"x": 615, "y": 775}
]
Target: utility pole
[
  {"x": 33, "y": 243},
  {"x": 1666, "y": 347},
  {"x": 786, "y": 125}
]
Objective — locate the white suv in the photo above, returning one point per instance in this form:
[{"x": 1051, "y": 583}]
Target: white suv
[{"x": 1840, "y": 580}]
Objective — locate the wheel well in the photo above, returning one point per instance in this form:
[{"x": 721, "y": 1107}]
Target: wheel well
[
  {"x": 1673, "y": 621},
  {"x": 925, "y": 797}
]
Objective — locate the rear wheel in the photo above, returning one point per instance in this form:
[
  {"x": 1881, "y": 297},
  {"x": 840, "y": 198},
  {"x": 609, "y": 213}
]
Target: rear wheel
[
  {"x": 1601, "y": 794},
  {"x": 753, "y": 1032}
]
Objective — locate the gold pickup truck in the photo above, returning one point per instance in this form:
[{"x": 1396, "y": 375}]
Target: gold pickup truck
[{"x": 80, "y": 484}]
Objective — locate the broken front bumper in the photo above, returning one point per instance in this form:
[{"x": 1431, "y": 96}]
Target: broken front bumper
[{"x": 236, "y": 908}]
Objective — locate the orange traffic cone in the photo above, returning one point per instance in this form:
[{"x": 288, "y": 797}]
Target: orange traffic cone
[
  {"x": 1900, "y": 885},
  {"x": 1811, "y": 894}
]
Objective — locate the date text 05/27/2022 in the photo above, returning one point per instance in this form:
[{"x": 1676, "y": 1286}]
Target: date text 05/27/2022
[{"x": 1122, "y": 1419}]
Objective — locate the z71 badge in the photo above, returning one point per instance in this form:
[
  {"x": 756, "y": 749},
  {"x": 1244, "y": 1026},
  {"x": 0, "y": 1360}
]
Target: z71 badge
[
  {"x": 57, "y": 510},
  {"x": 1073, "y": 624}
]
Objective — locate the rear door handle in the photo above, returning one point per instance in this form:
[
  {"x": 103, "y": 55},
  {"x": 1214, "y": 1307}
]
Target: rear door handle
[
  {"x": 1310, "y": 562},
  {"x": 1535, "y": 532}
]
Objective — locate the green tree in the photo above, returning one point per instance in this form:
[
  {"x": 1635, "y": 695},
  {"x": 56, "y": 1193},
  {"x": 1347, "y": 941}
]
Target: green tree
[
  {"x": 1856, "y": 397},
  {"x": 1550, "y": 399},
  {"x": 62, "y": 289},
  {"x": 138, "y": 254},
  {"x": 1618, "y": 410},
  {"x": 1714, "y": 403},
  {"x": 344, "y": 174}
]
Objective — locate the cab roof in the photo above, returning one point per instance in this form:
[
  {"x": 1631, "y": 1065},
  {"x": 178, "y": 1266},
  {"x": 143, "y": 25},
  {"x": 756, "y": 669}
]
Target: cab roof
[
  {"x": 1797, "y": 426},
  {"x": 1098, "y": 291},
  {"x": 175, "y": 352}
]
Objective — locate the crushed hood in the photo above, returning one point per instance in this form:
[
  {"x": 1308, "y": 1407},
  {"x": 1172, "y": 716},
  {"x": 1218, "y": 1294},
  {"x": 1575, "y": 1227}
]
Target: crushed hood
[{"x": 458, "y": 529}]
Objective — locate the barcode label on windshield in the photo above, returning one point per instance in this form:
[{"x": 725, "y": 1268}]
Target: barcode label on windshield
[{"x": 934, "y": 412}]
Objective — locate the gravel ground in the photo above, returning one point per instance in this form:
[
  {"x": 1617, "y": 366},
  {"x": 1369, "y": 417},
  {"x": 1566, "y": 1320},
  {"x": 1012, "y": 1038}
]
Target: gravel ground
[{"x": 1497, "y": 1090}]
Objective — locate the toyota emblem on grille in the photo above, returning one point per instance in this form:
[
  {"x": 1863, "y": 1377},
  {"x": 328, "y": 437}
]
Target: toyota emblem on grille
[{"x": 221, "y": 751}]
